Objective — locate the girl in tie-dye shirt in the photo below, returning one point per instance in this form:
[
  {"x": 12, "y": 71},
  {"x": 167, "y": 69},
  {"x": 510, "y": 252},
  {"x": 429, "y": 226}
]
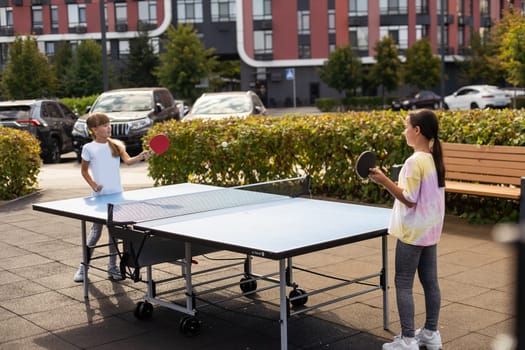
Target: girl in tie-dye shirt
[{"x": 417, "y": 222}]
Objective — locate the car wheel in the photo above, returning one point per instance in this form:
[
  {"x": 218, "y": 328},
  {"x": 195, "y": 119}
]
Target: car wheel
[
  {"x": 52, "y": 155},
  {"x": 474, "y": 105},
  {"x": 445, "y": 107}
]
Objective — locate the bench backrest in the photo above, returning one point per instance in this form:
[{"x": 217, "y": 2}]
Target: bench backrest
[{"x": 484, "y": 164}]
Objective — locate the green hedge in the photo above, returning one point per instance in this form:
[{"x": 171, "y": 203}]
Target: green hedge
[
  {"x": 79, "y": 104},
  {"x": 19, "y": 164},
  {"x": 326, "y": 147}
]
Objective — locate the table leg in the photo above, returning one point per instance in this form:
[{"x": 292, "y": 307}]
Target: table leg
[
  {"x": 85, "y": 258},
  {"x": 283, "y": 304},
  {"x": 187, "y": 272},
  {"x": 385, "y": 281}
]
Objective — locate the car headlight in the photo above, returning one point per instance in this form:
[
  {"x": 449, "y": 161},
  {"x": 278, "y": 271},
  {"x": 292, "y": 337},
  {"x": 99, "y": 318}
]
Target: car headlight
[
  {"x": 141, "y": 123},
  {"x": 405, "y": 102},
  {"x": 80, "y": 128}
]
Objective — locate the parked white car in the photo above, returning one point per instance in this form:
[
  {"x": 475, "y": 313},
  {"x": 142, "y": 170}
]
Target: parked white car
[
  {"x": 218, "y": 105},
  {"x": 477, "y": 96}
]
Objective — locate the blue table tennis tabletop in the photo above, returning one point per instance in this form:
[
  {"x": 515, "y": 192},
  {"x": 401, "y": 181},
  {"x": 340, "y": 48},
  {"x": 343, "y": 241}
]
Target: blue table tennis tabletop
[{"x": 275, "y": 229}]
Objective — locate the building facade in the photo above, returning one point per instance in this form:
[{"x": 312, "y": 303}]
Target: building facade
[{"x": 280, "y": 43}]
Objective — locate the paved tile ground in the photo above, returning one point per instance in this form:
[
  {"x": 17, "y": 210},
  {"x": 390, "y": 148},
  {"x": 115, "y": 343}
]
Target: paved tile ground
[{"x": 42, "y": 308}]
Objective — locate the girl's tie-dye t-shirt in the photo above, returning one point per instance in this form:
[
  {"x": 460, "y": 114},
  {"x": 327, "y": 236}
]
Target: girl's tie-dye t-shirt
[{"x": 423, "y": 223}]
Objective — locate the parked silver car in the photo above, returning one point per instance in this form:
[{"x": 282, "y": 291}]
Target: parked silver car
[
  {"x": 477, "y": 96},
  {"x": 217, "y": 105}
]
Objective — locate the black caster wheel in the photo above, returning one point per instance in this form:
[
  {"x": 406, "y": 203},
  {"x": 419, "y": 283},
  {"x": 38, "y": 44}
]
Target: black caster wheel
[
  {"x": 300, "y": 301},
  {"x": 190, "y": 326},
  {"x": 144, "y": 310},
  {"x": 249, "y": 286}
]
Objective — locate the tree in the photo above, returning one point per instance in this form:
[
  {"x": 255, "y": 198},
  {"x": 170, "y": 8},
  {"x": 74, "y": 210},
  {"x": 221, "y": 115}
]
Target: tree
[
  {"x": 386, "y": 72},
  {"x": 185, "y": 62},
  {"x": 84, "y": 77},
  {"x": 142, "y": 62},
  {"x": 62, "y": 61},
  {"x": 343, "y": 70},
  {"x": 511, "y": 49},
  {"x": 27, "y": 74},
  {"x": 422, "y": 69},
  {"x": 479, "y": 66}
]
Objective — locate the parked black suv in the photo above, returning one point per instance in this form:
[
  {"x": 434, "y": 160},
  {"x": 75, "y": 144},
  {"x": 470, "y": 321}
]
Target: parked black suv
[
  {"x": 51, "y": 122},
  {"x": 131, "y": 112}
]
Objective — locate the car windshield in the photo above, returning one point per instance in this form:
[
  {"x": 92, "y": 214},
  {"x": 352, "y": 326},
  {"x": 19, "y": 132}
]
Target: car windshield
[
  {"x": 15, "y": 113},
  {"x": 128, "y": 102},
  {"x": 222, "y": 105}
]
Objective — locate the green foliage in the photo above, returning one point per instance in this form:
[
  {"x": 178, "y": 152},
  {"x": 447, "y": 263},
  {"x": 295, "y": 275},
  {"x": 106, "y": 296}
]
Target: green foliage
[
  {"x": 422, "y": 69},
  {"x": 479, "y": 67},
  {"x": 512, "y": 53},
  {"x": 227, "y": 76},
  {"x": 19, "y": 164},
  {"x": 343, "y": 70},
  {"x": 185, "y": 62},
  {"x": 327, "y": 104},
  {"x": 27, "y": 74},
  {"x": 141, "y": 64},
  {"x": 84, "y": 76},
  {"x": 79, "y": 104},
  {"x": 62, "y": 61},
  {"x": 386, "y": 72},
  {"x": 326, "y": 147}
]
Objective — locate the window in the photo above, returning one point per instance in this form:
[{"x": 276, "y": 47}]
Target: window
[
  {"x": 6, "y": 17},
  {"x": 422, "y": 6},
  {"x": 148, "y": 11},
  {"x": 331, "y": 21},
  {"x": 76, "y": 14},
  {"x": 421, "y": 32},
  {"x": 262, "y": 9},
  {"x": 393, "y": 7},
  {"x": 484, "y": 8},
  {"x": 398, "y": 33},
  {"x": 54, "y": 17},
  {"x": 262, "y": 41},
  {"x": 36, "y": 16},
  {"x": 123, "y": 47},
  {"x": 304, "y": 51},
  {"x": 358, "y": 7},
  {"x": 50, "y": 48},
  {"x": 359, "y": 38},
  {"x": 303, "y": 22},
  {"x": 223, "y": 10},
  {"x": 189, "y": 11},
  {"x": 121, "y": 13}
]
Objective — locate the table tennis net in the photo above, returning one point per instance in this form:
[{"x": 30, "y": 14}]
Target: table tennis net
[{"x": 199, "y": 202}]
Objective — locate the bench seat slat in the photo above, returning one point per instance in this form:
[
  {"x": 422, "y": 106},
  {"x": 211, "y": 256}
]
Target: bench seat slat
[
  {"x": 482, "y": 190},
  {"x": 488, "y": 179},
  {"x": 485, "y": 148}
]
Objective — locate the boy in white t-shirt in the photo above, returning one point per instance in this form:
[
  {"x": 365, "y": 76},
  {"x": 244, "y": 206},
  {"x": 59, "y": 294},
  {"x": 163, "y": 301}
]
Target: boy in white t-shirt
[{"x": 100, "y": 168}]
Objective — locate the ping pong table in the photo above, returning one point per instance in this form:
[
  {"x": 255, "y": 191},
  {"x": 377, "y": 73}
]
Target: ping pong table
[{"x": 178, "y": 222}]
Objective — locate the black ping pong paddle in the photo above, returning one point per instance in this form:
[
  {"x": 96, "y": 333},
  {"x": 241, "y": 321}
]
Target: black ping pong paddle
[
  {"x": 365, "y": 161},
  {"x": 159, "y": 143}
]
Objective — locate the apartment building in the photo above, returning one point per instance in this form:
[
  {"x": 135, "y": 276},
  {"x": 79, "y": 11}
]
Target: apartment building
[{"x": 279, "y": 42}]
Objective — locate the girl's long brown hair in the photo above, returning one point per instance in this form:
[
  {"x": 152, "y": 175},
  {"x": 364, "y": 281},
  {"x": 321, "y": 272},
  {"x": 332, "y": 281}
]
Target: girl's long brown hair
[
  {"x": 429, "y": 125},
  {"x": 97, "y": 119}
]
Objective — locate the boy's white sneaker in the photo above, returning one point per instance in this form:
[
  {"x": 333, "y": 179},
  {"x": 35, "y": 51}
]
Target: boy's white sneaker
[
  {"x": 429, "y": 339},
  {"x": 401, "y": 343}
]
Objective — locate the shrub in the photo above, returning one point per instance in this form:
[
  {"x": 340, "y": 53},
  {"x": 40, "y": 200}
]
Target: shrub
[
  {"x": 326, "y": 147},
  {"x": 19, "y": 164},
  {"x": 79, "y": 104}
]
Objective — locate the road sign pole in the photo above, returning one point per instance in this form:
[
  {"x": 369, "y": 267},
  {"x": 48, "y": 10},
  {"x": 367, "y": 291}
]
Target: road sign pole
[{"x": 294, "y": 102}]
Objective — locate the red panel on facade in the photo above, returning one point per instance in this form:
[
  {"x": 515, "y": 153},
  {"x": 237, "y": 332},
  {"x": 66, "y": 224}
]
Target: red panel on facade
[
  {"x": 318, "y": 25},
  {"x": 285, "y": 41}
]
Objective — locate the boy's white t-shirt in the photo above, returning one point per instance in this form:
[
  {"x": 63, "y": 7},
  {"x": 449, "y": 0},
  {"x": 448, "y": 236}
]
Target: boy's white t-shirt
[{"x": 105, "y": 169}]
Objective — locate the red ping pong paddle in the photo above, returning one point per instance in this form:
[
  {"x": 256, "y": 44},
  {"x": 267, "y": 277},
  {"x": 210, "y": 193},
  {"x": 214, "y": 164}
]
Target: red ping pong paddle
[
  {"x": 159, "y": 143},
  {"x": 365, "y": 161}
]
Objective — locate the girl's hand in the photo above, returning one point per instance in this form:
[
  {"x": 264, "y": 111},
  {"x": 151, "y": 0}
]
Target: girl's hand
[
  {"x": 144, "y": 155},
  {"x": 97, "y": 188},
  {"x": 377, "y": 176}
]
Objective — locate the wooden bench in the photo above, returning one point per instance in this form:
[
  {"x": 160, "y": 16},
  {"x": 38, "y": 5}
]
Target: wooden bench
[{"x": 483, "y": 170}]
